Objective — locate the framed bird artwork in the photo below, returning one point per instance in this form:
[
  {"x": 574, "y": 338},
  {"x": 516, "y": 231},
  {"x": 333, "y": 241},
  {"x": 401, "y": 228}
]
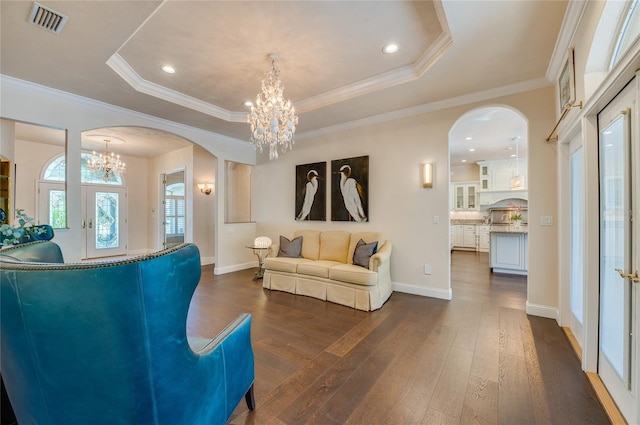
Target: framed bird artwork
[
  {"x": 311, "y": 192},
  {"x": 350, "y": 189}
]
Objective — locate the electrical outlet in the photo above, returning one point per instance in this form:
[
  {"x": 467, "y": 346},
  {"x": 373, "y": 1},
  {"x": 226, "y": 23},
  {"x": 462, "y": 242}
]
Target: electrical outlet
[
  {"x": 546, "y": 220},
  {"x": 436, "y": 219},
  {"x": 427, "y": 269}
]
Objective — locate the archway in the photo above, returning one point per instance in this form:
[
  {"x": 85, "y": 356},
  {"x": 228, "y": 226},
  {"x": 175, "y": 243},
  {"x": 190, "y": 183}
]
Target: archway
[{"x": 488, "y": 188}]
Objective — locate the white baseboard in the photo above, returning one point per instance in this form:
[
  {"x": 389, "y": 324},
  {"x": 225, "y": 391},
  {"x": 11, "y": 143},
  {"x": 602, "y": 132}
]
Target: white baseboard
[
  {"x": 543, "y": 311},
  {"x": 205, "y": 261},
  {"x": 443, "y": 294},
  {"x": 235, "y": 268},
  {"x": 138, "y": 252}
]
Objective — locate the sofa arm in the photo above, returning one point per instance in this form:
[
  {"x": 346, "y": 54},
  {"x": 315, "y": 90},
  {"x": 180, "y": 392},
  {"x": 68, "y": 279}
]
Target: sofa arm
[
  {"x": 275, "y": 248},
  {"x": 382, "y": 256}
]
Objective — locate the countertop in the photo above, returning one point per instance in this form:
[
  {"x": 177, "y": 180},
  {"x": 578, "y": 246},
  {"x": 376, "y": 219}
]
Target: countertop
[
  {"x": 467, "y": 221},
  {"x": 508, "y": 229}
]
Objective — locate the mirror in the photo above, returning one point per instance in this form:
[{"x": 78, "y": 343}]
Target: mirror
[
  {"x": 33, "y": 159},
  {"x": 174, "y": 201}
]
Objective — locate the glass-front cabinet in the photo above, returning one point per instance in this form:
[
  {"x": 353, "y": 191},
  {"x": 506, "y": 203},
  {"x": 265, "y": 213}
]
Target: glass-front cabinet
[
  {"x": 485, "y": 183},
  {"x": 465, "y": 196}
]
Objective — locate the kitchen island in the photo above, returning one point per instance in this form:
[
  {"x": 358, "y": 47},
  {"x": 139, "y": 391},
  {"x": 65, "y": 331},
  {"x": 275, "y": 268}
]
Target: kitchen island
[{"x": 508, "y": 250}]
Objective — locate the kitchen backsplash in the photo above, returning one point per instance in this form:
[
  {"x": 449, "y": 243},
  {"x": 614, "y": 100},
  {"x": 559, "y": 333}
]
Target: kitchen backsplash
[{"x": 468, "y": 215}]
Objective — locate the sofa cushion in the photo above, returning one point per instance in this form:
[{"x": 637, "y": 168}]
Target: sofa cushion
[
  {"x": 318, "y": 268},
  {"x": 334, "y": 245},
  {"x": 363, "y": 253},
  {"x": 290, "y": 248},
  {"x": 283, "y": 264},
  {"x": 310, "y": 243},
  {"x": 368, "y": 237},
  {"x": 353, "y": 274}
]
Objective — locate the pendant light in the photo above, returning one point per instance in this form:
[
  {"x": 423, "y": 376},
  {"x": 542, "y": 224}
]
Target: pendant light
[{"x": 517, "y": 181}]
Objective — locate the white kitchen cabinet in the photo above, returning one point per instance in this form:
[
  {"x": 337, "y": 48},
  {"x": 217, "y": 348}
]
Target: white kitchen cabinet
[
  {"x": 484, "y": 238},
  {"x": 485, "y": 178},
  {"x": 496, "y": 175},
  {"x": 509, "y": 252},
  {"x": 465, "y": 196},
  {"x": 458, "y": 235},
  {"x": 469, "y": 236}
]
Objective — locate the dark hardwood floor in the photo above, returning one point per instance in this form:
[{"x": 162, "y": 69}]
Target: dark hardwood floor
[{"x": 478, "y": 359}]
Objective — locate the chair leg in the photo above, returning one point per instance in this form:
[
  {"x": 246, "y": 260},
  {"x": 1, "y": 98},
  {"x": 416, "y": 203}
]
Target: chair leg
[{"x": 250, "y": 399}]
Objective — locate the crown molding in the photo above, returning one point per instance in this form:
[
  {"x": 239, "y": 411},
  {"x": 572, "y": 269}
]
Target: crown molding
[
  {"x": 570, "y": 22},
  {"x": 369, "y": 85},
  {"x": 16, "y": 83},
  {"x": 131, "y": 77},
  {"x": 507, "y": 90}
]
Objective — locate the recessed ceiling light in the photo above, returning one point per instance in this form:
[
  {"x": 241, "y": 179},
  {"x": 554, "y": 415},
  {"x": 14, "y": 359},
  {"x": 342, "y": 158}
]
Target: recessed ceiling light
[
  {"x": 468, "y": 138},
  {"x": 472, "y": 150},
  {"x": 464, "y": 160},
  {"x": 248, "y": 103},
  {"x": 169, "y": 69},
  {"x": 513, "y": 155},
  {"x": 609, "y": 145},
  {"x": 390, "y": 48}
]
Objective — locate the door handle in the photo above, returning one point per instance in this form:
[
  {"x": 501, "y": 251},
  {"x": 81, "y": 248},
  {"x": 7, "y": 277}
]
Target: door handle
[
  {"x": 633, "y": 276},
  {"x": 90, "y": 223},
  {"x": 83, "y": 223}
]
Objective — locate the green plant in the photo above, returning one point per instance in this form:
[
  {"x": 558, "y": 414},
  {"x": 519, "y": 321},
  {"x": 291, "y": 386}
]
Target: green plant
[
  {"x": 517, "y": 215},
  {"x": 13, "y": 235}
]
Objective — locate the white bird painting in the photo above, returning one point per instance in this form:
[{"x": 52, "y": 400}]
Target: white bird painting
[
  {"x": 352, "y": 194},
  {"x": 309, "y": 192}
]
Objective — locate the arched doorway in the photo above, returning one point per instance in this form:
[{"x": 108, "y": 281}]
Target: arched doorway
[{"x": 488, "y": 188}]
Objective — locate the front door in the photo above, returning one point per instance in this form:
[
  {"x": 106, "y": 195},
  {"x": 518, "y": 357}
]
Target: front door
[
  {"x": 104, "y": 221},
  {"x": 617, "y": 357}
]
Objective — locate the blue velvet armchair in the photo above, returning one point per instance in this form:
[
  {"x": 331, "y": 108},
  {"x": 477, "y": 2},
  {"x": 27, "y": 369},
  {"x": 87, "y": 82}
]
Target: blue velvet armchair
[{"x": 106, "y": 343}]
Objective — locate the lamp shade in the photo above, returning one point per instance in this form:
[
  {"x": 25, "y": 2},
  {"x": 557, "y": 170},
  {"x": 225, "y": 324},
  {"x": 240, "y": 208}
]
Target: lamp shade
[
  {"x": 427, "y": 175},
  {"x": 517, "y": 182}
]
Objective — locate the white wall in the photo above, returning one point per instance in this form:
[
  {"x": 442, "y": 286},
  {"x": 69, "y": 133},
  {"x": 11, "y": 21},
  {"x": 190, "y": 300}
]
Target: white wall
[
  {"x": 402, "y": 209},
  {"x": 30, "y": 157},
  {"x": 465, "y": 173},
  {"x": 204, "y": 206}
]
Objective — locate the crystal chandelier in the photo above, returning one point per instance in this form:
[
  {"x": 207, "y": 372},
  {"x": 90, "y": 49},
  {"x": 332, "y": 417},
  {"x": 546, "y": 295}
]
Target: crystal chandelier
[
  {"x": 272, "y": 119},
  {"x": 107, "y": 163}
]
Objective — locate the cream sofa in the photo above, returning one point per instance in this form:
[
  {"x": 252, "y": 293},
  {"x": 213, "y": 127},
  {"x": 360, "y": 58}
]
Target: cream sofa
[{"x": 326, "y": 270}]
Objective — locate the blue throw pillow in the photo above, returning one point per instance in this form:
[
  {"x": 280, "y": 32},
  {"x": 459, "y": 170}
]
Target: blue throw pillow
[
  {"x": 363, "y": 252},
  {"x": 291, "y": 249}
]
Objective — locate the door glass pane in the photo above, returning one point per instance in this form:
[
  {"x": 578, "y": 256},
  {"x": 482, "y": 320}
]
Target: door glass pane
[
  {"x": 107, "y": 220},
  {"x": 612, "y": 243},
  {"x": 577, "y": 236},
  {"x": 57, "y": 209}
]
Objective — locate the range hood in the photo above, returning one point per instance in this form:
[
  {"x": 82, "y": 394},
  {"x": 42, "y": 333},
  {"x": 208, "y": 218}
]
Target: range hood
[
  {"x": 509, "y": 204},
  {"x": 501, "y": 211}
]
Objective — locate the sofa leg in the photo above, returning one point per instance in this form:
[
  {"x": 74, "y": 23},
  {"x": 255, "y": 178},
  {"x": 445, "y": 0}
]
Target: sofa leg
[{"x": 250, "y": 398}]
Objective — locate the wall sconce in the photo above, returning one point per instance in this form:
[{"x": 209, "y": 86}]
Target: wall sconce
[
  {"x": 205, "y": 188},
  {"x": 427, "y": 175}
]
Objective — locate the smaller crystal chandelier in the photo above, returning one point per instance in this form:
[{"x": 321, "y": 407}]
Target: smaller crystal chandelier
[
  {"x": 272, "y": 119},
  {"x": 107, "y": 163}
]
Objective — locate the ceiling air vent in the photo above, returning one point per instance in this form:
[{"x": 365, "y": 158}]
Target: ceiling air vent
[{"x": 47, "y": 18}]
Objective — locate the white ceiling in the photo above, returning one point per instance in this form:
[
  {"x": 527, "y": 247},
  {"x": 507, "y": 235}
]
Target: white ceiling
[{"x": 331, "y": 60}]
